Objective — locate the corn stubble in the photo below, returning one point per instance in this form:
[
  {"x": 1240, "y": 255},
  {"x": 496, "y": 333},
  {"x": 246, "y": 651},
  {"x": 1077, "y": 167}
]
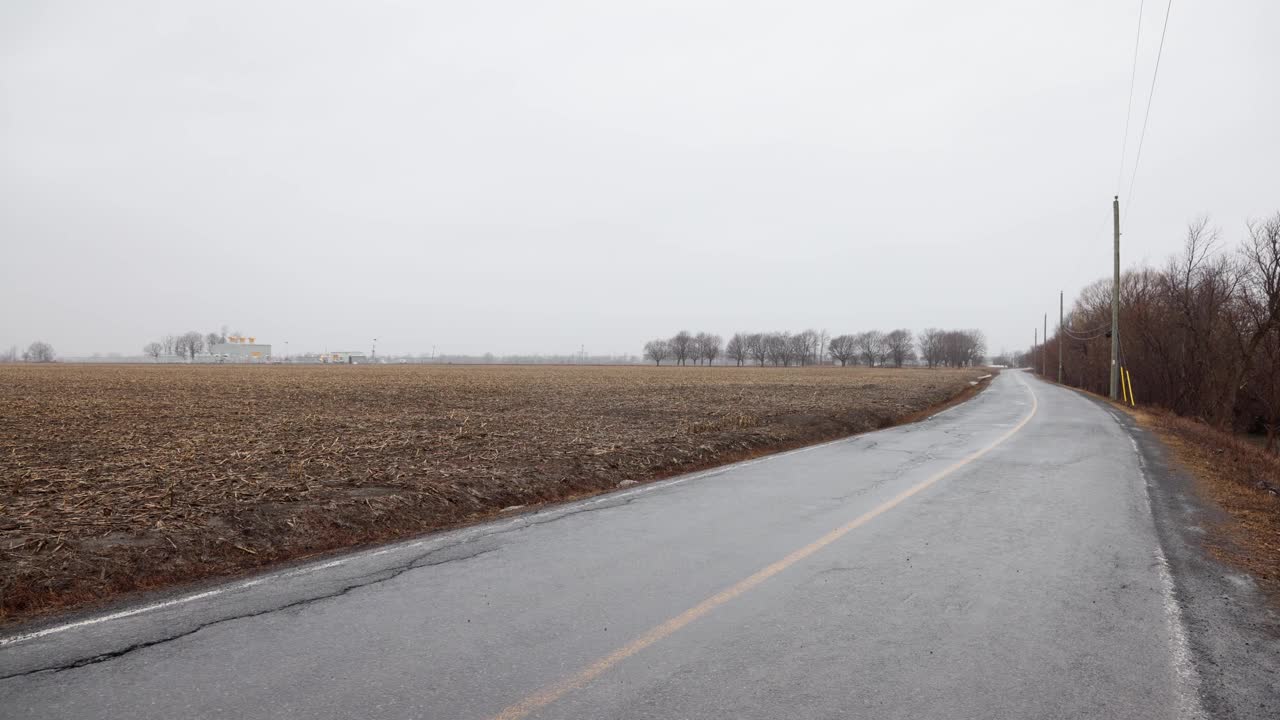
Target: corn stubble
[{"x": 122, "y": 478}]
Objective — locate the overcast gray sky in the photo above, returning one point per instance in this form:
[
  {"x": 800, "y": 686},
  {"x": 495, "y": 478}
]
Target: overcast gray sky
[{"x": 533, "y": 176}]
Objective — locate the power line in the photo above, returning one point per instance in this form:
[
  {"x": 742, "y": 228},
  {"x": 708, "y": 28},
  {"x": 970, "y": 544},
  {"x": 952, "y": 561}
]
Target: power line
[
  {"x": 1147, "y": 115},
  {"x": 1086, "y": 334},
  {"x": 1128, "y": 112},
  {"x": 1083, "y": 338}
]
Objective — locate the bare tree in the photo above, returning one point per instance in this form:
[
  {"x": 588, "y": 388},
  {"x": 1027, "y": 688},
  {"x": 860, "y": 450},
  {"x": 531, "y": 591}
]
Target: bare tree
[
  {"x": 170, "y": 343},
  {"x": 899, "y": 346},
  {"x": 10, "y": 355},
  {"x": 657, "y": 351},
  {"x": 695, "y": 350},
  {"x": 1260, "y": 305},
  {"x": 758, "y": 348},
  {"x": 977, "y": 346},
  {"x": 871, "y": 347},
  {"x": 39, "y": 352},
  {"x": 682, "y": 347},
  {"x": 190, "y": 344},
  {"x": 738, "y": 349},
  {"x": 778, "y": 348},
  {"x": 212, "y": 339},
  {"x": 931, "y": 347},
  {"x": 708, "y": 346},
  {"x": 802, "y": 347},
  {"x": 154, "y": 349},
  {"x": 843, "y": 349},
  {"x": 1263, "y": 386},
  {"x": 963, "y": 348},
  {"x": 1200, "y": 335}
]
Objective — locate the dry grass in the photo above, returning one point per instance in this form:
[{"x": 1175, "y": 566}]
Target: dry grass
[
  {"x": 122, "y": 478},
  {"x": 1237, "y": 476}
]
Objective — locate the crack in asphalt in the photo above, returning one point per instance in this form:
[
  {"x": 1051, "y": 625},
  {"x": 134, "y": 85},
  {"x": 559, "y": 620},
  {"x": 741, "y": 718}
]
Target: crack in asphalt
[
  {"x": 378, "y": 576},
  {"x": 366, "y": 580},
  {"x": 359, "y": 581}
]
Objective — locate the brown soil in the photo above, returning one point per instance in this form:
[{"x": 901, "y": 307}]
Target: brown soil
[{"x": 115, "y": 479}]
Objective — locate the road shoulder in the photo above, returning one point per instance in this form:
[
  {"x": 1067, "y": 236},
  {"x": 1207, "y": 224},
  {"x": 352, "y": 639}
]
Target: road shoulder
[{"x": 1233, "y": 630}]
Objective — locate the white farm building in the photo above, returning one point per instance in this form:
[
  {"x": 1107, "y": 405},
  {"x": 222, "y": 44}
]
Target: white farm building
[
  {"x": 241, "y": 349},
  {"x": 345, "y": 358}
]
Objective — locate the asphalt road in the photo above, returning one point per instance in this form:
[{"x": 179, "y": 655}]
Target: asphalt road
[{"x": 1000, "y": 560}]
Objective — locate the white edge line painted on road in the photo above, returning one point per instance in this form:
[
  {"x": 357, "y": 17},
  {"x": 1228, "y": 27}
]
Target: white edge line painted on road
[
  {"x": 467, "y": 535},
  {"x": 1183, "y": 665},
  {"x": 1189, "y": 696},
  {"x": 113, "y": 616}
]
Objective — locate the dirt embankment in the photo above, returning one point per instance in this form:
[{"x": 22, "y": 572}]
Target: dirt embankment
[{"x": 122, "y": 478}]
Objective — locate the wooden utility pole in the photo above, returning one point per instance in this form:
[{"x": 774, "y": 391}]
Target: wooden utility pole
[
  {"x": 1059, "y": 337},
  {"x": 1044, "y": 349},
  {"x": 1115, "y": 303},
  {"x": 1035, "y": 340}
]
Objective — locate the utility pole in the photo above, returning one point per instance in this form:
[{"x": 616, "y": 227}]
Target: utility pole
[
  {"x": 1059, "y": 337},
  {"x": 1115, "y": 303},
  {"x": 1044, "y": 350},
  {"x": 1035, "y": 340}
]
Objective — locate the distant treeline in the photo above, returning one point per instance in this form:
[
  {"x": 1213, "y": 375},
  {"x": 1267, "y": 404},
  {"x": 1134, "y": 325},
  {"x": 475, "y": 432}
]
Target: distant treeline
[
  {"x": 188, "y": 345},
  {"x": 1199, "y": 336},
  {"x": 38, "y": 351},
  {"x": 951, "y": 348}
]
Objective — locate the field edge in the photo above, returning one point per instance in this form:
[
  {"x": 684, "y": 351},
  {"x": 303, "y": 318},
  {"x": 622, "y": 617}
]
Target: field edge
[{"x": 58, "y": 613}]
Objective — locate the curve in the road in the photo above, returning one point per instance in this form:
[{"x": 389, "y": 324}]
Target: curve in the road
[{"x": 580, "y": 679}]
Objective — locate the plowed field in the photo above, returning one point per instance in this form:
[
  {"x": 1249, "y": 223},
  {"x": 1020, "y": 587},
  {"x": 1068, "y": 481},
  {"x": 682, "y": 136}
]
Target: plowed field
[{"x": 122, "y": 478}]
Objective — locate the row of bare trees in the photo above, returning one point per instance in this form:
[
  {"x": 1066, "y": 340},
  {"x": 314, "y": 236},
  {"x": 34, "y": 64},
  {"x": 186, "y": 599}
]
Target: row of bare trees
[
  {"x": 38, "y": 351},
  {"x": 778, "y": 348},
  {"x": 187, "y": 345},
  {"x": 685, "y": 346},
  {"x": 954, "y": 348},
  {"x": 873, "y": 348},
  {"x": 1199, "y": 335}
]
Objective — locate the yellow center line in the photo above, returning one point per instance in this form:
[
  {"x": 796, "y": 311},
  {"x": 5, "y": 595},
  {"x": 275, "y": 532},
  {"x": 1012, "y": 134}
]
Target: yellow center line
[{"x": 580, "y": 679}]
